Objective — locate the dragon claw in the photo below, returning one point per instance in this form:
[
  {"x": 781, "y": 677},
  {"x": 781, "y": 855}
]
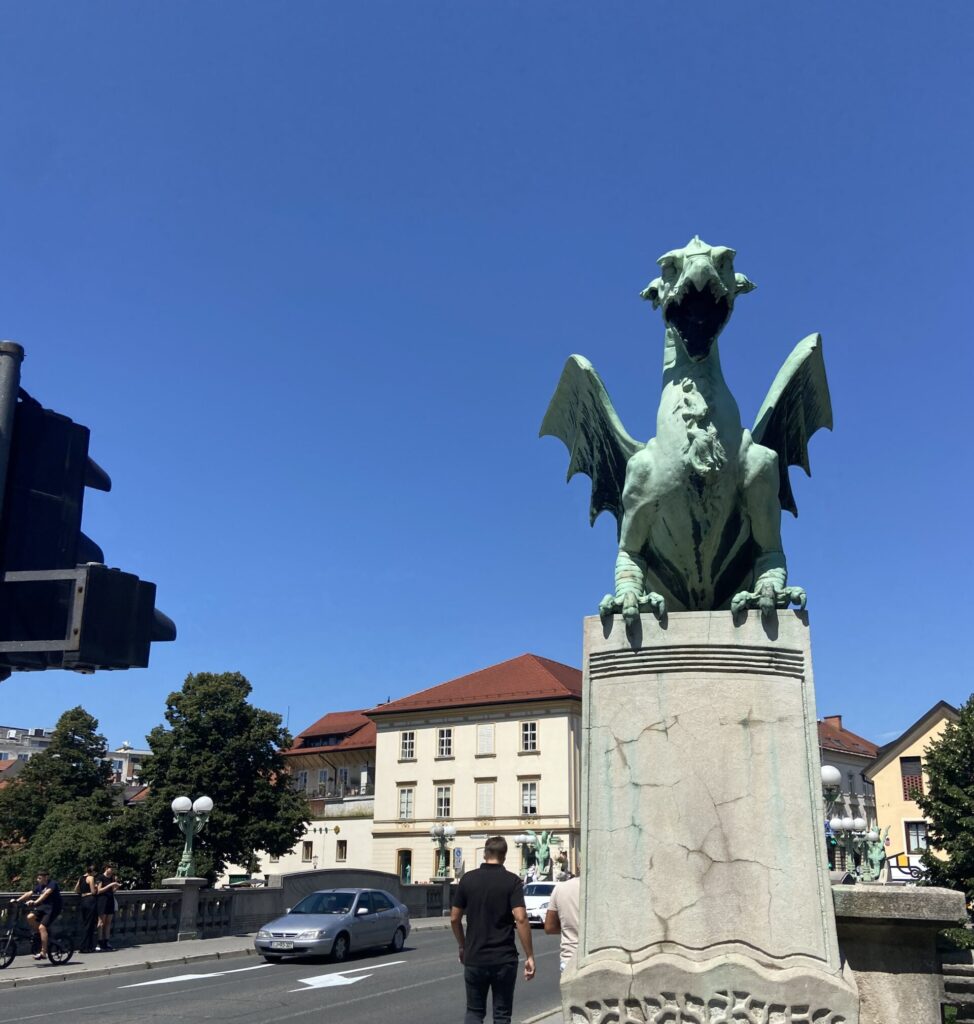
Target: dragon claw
[
  {"x": 768, "y": 597},
  {"x": 631, "y": 605}
]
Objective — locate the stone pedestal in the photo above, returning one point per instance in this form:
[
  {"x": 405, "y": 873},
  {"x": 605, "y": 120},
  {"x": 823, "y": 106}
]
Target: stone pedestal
[
  {"x": 706, "y": 895},
  {"x": 888, "y": 935},
  {"x": 188, "y": 906}
]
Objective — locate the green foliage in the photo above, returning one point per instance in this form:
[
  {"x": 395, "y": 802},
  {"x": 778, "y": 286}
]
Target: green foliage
[
  {"x": 948, "y": 805},
  {"x": 959, "y": 938},
  {"x": 65, "y": 789},
  {"x": 221, "y": 746}
]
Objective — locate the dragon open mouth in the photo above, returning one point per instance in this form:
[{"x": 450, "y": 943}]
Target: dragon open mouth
[{"x": 698, "y": 316}]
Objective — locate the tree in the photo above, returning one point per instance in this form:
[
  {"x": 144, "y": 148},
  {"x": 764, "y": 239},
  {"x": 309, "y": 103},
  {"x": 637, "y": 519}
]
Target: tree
[
  {"x": 221, "y": 746},
  {"x": 71, "y": 771},
  {"x": 948, "y": 805}
]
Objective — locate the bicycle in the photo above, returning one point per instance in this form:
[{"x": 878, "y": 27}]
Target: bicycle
[{"x": 15, "y": 935}]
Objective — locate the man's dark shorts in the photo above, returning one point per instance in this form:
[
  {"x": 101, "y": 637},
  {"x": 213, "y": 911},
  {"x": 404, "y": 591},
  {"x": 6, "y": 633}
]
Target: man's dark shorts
[{"x": 45, "y": 915}]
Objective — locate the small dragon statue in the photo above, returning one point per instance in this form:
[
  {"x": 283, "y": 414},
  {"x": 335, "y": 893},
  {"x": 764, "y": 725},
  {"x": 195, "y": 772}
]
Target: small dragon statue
[{"x": 698, "y": 506}]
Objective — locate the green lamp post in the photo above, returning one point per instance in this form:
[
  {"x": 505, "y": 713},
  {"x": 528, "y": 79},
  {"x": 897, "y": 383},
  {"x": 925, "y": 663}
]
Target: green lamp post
[{"x": 190, "y": 816}]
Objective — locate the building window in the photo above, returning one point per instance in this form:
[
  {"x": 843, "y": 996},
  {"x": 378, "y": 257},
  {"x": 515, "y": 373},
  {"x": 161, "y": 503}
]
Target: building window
[
  {"x": 529, "y": 798},
  {"x": 407, "y": 746},
  {"x": 341, "y": 850},
  {"x": 301, "y": 781},
  {"x": 912, "y": 775},
  {"x": 444, "y": 801},
  {"x": 485, "y": 799},
  {"x": 485, "y": 738},
  {"x": 529, "y": 736},
  {"x": 306, "y": 851},
  {"x": 444, "y": 743},
  {"x": 916, "y": 836},
  {"x": 406, "y": 802}
]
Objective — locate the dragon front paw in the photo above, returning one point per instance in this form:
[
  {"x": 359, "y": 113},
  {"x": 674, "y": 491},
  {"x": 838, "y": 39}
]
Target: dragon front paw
[
  {"x": 631, "y": 604},
  {"x": 768, "y": 596}
]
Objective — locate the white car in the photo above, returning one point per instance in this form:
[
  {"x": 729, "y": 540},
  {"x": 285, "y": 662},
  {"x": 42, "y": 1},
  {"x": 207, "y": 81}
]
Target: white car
[{"x": 536, "y": 898}]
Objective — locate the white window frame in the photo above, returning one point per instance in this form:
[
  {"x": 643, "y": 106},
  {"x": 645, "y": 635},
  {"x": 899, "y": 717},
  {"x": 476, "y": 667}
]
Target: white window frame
[
  {"x": 307, "y": 851},
  {"x": 406, "y": 797},
  {"x": 444, "y": 742},
  {"x": 529, "y": 789},
  {"x": 407, "y": 745},
  {"x": 444, "y": 801},
  {"x": 529, "y": 737}
]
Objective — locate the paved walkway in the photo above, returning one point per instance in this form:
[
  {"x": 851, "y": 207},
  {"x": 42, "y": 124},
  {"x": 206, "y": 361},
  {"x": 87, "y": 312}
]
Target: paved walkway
[{"x": 26, "y": 971}]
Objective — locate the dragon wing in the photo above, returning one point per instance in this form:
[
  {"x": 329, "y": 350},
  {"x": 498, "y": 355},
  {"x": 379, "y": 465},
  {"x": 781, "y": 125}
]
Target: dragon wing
[
  {"x": 581, "y": 414},
  {"x": 797, "y": 405}
]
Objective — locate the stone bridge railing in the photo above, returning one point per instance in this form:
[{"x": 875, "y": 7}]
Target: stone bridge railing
[{"x": 153, "y": 915}]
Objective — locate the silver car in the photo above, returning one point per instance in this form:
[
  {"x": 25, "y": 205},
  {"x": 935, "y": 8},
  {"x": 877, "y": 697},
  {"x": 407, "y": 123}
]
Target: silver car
[{"x": 333, "y": 921}]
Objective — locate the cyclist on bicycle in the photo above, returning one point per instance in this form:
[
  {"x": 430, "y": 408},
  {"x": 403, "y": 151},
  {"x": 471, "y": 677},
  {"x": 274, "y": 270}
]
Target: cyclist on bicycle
[{"x": 45, "y": 899}]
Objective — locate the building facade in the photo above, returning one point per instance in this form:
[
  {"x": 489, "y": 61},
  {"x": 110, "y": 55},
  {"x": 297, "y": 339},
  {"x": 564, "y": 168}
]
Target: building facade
[
  {"x": 898, "y": 776},
  {"x": 333, "y": 763},
  {"x": 496, "y": 752}
]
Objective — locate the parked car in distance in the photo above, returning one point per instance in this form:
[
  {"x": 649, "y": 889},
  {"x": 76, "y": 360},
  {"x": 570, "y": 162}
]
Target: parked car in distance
[
  {"x": 536, "y": 898},
  {"x": 332, "y": 922}
]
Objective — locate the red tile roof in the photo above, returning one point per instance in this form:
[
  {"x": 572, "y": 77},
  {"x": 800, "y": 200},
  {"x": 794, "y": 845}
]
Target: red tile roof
[
  {"x": 832, "y": 736},
  {"x": 6, "y": 762},
  {"x": 524, "y": 678},
  {"x": 356, "y": 731}
]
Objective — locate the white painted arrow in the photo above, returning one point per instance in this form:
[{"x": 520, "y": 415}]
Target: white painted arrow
[
  {"x": 194, "y": 977},
  {"x": 341, "y": 977}
]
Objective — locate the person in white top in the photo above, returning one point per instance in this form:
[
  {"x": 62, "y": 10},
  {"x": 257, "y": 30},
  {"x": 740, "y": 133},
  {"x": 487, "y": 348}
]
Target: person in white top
[{"x": 562, "y": 917}]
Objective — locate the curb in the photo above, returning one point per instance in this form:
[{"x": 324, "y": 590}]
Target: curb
[{"x": 50, "y": 976}]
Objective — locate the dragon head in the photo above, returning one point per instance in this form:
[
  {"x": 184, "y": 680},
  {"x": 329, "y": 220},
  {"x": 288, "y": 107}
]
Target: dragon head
[{"x": 696, "y": 292}]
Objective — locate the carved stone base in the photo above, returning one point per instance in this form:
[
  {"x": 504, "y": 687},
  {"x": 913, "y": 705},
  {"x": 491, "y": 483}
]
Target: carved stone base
[
  {"x": 705, "y": 890},
  {"x": 728, "y": 990}
]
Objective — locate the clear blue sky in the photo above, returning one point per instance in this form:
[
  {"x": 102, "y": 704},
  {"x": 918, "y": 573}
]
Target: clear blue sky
[{"x": 310, "y": 272}]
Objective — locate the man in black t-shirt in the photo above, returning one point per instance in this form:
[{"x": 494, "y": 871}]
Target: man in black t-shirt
[
  {"x": 45, "y": 901},
  {"x": 493, "y": 901}
]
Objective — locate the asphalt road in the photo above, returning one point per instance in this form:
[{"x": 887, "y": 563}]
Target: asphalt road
[{"x": 424, "y": 984}]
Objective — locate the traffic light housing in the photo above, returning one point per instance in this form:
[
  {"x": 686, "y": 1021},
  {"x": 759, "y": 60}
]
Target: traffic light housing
[{"x": 60, "y": 607}]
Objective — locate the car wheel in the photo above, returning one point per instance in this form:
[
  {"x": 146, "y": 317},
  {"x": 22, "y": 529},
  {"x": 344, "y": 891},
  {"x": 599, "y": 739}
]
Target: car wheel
[
  {"x": 340, "y": 950},
  {"x": 398, "y": 941},
  {"x": 271, "y": 959}
]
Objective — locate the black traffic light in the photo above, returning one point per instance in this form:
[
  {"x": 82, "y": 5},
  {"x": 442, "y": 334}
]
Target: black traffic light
[{"x": 59, "y": 606}]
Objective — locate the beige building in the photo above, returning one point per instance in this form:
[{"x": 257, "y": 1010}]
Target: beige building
[
  {"x": 333, "y": 763},
  {"x": 898, "y": 775},
  {"x": 495, "y": 752}
]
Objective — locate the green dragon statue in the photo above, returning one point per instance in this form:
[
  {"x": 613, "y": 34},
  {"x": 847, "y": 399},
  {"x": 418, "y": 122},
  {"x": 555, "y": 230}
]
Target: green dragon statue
[{"x": 699, "y": 506}]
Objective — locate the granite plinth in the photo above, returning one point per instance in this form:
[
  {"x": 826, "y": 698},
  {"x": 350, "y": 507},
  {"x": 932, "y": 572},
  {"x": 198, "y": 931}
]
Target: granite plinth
[{"x": 706, "y": 876}]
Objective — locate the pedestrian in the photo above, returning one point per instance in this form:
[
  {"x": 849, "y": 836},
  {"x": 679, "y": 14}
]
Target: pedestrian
[
  {"x": 562, "y": 917},
  {"x": 87, "y": 890},
  {"x": 107, "y": 885},
  {"x": 45, "y": 903},
  {"x": 492, "y": 899}
]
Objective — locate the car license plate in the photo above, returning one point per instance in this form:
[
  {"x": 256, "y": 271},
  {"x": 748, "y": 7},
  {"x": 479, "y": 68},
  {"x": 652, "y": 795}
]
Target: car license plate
[{"x": 281, "y": 944}]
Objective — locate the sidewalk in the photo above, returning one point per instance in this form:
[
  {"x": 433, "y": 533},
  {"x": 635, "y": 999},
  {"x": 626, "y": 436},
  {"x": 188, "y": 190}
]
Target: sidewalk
[{"x": 26, "y": 971}]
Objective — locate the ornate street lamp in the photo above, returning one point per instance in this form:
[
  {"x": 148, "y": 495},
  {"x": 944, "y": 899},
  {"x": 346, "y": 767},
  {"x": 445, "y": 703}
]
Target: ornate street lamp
[
  {"x": 190, "y": 816},
  {"x": 441, "y": 835}
]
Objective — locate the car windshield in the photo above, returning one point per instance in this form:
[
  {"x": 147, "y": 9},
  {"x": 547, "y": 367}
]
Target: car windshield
[
  {"x": 325, "y": 903},
  {"x": 539, "y": 889}
]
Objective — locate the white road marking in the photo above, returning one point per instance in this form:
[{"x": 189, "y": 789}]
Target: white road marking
[
  {"x": 340, "y": 977},
  {"x": 194, "y": 977}
]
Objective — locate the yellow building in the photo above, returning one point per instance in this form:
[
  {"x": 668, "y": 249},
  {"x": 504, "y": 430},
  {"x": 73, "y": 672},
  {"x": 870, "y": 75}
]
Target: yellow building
[
  {"x": 898, "y": 775},
  {"x": 495, "y": 752}
]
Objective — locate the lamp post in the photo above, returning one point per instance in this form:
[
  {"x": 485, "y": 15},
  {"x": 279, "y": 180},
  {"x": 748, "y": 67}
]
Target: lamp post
[
  {"x": 190, "y": 816},
  {"x": 861, "y": 844},
  {"x": 441, "y": 835}
]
